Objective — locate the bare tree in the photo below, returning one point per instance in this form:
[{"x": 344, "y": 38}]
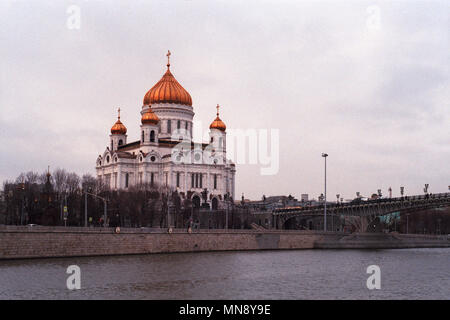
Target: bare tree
[{"x": 60, "y": 179}]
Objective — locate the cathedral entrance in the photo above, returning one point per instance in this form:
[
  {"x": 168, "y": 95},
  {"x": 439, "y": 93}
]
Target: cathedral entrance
[{"x": 196, "y": 201}]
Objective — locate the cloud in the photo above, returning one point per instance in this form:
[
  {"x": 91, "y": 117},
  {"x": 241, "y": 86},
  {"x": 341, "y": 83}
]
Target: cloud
[{"x": 376, "y": 101}]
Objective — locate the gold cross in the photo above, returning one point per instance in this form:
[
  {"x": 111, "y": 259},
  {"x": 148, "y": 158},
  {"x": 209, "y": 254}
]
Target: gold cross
[
  {"x": 119, "y": 112},
  {"x": 218, "y": 109},
  {"x": 168, "y": 58}
]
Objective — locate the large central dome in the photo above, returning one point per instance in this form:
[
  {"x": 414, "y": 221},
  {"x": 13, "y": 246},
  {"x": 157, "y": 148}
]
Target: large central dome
[{"x": 167, "y": 90}]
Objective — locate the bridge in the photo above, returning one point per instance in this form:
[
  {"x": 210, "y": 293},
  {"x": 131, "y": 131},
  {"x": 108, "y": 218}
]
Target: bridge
[{"x": 361, "y": 213}]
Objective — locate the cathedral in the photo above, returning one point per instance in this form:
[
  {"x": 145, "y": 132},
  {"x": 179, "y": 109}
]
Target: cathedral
[{"x": 165, "y": 155}]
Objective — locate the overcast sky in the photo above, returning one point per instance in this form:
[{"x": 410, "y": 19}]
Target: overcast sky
[{"x": 366, "y": 82}]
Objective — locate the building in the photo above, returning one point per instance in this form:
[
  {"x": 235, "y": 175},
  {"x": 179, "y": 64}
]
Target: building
[
  {"x": 165, "y": 155},
  {"x": 272, "y": 202}
]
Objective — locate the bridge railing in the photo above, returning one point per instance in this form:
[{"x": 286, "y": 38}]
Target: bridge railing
[{"x": 359, "y": 204}]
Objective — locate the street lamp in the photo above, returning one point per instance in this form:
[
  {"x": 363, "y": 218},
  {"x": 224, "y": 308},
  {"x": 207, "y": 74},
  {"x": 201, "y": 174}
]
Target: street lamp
[
  {"x": 105, "y": 207},
  {"x": 227, "y": 202},
  {"x": 425, "y": 190},
  {"x": 324, "y": 155},
  {"x": 407, "y": 216},
  {"x": 402, "y": 190},
  {"x": 89, "y": 189}
]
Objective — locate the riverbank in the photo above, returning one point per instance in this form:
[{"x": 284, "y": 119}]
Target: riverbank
[{"x": 46, "y": 242}]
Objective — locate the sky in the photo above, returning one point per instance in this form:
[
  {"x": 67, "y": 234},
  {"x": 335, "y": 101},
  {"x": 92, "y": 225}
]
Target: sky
[{"x": 367, "y": 82}]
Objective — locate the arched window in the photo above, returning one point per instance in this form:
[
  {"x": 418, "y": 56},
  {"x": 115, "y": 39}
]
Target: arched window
[
  {"x": 112, "y": 144},
  {"x": 127, "y": 176},
  {"x": 186, "y": 125},
  {"x": 169, "y": 126},
  {"x": 178, "y": 124},
  {"x": 142, "y": 138},
  {"x": 152, "y": 136},
  {"x": 120, "y": 142}
]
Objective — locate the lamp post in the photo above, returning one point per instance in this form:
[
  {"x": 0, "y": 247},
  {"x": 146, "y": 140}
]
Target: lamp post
[
  {"x": 226, "y": 213},
  {"x": 407, "y": 216},
  {"x": 425, "y": 190},
  {"x": 85, "y": 210},
  {"x": 105, "y": 207},
  {"x": 390, "y": 192},
  {"x": 324, "y": 155},
  {"x": 168, "y": 215}
]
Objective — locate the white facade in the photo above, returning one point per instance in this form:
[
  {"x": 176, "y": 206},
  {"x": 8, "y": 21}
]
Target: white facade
[{"x": 164, "y": 155}]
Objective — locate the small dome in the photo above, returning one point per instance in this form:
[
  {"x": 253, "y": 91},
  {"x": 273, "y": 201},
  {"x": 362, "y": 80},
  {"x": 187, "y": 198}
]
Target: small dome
[
  {"x": 118, "y": 127},
  {"x": 149, "y": 117},
  {"x": 218, "y": 123},
  {"x": 167, "y": 90}
]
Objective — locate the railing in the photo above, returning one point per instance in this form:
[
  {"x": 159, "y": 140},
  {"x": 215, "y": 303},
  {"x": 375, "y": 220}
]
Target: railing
[
  {"x": 145, "y": 230},
  {"x": 369, "y": 203}
]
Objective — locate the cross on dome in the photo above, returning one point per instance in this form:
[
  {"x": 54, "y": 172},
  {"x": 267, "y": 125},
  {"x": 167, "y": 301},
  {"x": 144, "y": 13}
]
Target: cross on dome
[
  {"x": 167, "y": 90},
  {"x": 118, "y": 127},
  {"x": 168, "y": 58},
  {"x": 218, "y": 123}
]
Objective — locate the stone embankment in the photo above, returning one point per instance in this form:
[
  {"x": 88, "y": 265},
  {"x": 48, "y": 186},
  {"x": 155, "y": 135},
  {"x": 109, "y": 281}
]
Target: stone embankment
[{"x": 45, "y": 242}]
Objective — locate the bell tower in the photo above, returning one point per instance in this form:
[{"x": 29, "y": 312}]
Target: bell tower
[{"x": 118, "y": 134}]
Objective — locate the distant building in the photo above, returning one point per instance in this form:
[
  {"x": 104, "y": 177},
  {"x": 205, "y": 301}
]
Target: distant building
[
  {"x": 273, "y": 202},
  {"x": 304, "y": 197}
]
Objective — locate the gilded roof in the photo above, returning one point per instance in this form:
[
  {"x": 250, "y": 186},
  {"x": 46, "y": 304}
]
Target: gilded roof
[{"x": 168, "y": 90}]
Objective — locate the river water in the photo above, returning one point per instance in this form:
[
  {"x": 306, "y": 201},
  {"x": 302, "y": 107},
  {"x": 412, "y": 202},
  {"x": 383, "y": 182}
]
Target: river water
[{"x": 296, "y": 274}]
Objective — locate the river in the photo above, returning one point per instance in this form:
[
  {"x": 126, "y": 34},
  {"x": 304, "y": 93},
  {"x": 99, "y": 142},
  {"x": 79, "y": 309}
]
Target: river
[{"x": 294, "y": 274}]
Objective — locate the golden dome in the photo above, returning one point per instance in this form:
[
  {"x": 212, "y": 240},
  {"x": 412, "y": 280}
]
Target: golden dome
[
  {"x": 167, "y": 90},
  {"x": 118, "y": 127},
  {"x": 149, "y": 117},
  {"x": 217, "y": 123}
]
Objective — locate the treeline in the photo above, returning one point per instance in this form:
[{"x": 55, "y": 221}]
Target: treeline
[{"x": 59, "y": 198}]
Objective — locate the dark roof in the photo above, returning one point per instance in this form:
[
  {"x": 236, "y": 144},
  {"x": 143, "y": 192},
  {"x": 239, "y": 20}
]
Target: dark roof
[
  {"x": 131, "y": 145},
  {"x": 173, "y": 143},
  {"x": 126, "y": 155}
]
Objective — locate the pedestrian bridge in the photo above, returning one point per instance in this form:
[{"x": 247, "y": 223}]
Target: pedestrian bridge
[{"x": 362, "y": 213}]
